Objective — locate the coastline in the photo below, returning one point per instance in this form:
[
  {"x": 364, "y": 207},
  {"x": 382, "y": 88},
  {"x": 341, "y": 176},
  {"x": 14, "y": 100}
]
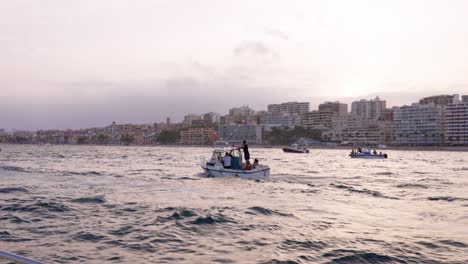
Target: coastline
[{"x": 400, "y": 148}]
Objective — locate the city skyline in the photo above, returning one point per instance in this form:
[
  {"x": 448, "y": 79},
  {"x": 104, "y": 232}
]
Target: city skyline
[{"x": 85, "y": 64}]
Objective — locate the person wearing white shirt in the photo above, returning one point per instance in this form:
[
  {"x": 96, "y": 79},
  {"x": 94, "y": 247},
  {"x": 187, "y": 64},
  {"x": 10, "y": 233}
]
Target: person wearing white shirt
[{"x": 227, "y": 161}]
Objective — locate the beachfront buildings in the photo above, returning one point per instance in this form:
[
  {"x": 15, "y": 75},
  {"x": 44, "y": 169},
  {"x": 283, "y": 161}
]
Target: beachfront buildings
[
  {"x": 360, "y": 131},
  {"x": 198, "y": 136},
  {"x": 439, "y": 99},
  {"x": 237, "y": 133},
  {"x": 456, "y": 122},
  {"x": 419, "y": 124},
  {"x": 368, "y": 109},
  {"x": 289, "y": 108}
]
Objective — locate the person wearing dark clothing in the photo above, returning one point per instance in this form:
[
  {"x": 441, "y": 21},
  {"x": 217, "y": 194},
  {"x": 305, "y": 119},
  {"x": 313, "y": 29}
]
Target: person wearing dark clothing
[{"x": 245, "y": 148}]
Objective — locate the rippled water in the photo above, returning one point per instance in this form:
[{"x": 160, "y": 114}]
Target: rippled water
[{"x": 70, "y": 204}]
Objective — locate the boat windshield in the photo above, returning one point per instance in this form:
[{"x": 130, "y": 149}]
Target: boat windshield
[{"x": 218, "y": 154}]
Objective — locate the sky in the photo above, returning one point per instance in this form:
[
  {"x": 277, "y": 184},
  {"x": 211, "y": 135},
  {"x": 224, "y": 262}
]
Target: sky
[{"x": 86, "y": 63}]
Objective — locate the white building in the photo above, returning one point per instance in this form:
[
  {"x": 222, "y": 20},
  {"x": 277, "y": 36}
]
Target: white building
[
  {"x": 372, "y": 109},
  {"x": 456, "y": 122},
  {"x": 419, "y": 124},
  {"x": 360, "y": 131},
  {"x": 317, "y": 120},
  {"x": 238, "y": 133},
  {"x": 289, "y": 108}
]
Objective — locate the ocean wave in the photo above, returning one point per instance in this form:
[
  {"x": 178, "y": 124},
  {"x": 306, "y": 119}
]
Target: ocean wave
[
  {"x": 276, "y": 261},
  {"x": 363, "y": 191},
  {"x": 9, "y": 237},
  {"x": 13, "y": 189},
  {"x": 256, "y": 210},
  {"x": 367, "y": 257},
  {"x": 453, "y": 243},
  {"x": 384, "y": 173},
  {"x": 83, "y": 173},
  {"x": 15, "y": 219},
  {"x": 446, "y": 198},
  {"x": 88, "y": 237},
  {"x": 294, "y": 245},
  {"x": 212, "y": 219},
  {"x": 412, "y": 185},
  {"x": 95, "y": 199},
  {"x": 41, "y": 206},
  {"x": 13, "y": 168}
]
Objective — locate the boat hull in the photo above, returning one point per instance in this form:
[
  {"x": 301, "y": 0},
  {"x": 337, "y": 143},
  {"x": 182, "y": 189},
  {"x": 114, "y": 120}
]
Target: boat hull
[
  {"x": 256, "y": 174},
  {"x": 368, "y": 156},
  {"x": 295, "y": 151}
]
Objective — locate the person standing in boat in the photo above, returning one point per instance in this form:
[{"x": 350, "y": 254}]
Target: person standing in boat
[{"x": 245, "y": 148}]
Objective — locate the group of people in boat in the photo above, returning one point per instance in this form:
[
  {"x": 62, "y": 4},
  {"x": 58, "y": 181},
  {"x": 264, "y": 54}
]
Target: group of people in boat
[
  {"x": 359, "y": 150},
  {"x": 227, "y": 159}
]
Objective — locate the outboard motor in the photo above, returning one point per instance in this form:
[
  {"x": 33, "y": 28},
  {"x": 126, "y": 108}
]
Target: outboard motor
[{"x": 385, "y": 155}]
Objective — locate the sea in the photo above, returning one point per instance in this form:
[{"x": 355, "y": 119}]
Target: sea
[{"x": 116, "y": 204}]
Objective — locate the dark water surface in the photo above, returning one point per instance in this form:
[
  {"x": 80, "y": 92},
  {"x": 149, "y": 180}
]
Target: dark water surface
[{"x": 70, "y": 204}]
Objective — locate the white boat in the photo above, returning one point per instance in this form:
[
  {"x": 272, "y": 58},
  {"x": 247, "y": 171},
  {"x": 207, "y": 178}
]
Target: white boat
[
  {"x": 367, "y": 154},
  {"x": 215, "y": 168},
  {"x": 295, "y": 148}
]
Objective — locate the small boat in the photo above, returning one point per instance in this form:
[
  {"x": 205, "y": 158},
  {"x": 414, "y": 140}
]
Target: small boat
[
  {"x": 367, "y": 154},
  {"x": 295, "y": 148},
  {"x": 215, "y": 168}
]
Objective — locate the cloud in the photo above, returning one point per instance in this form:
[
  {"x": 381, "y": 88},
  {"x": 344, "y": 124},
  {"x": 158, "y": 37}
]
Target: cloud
[
  {"x": 254, "y": 48},
  {"x": 277, "y": 33}
]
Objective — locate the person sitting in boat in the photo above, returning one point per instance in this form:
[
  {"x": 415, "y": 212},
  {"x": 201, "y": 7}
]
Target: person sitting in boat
[
  {"x": 227, "y": 161},
  {"x": 380, "y": 153},
  {"x": 359, "y": 150},
  {"x": 248, "y": 166},
  {"x": 255, "y": 164},
  {"x": 375, "y": 152}
]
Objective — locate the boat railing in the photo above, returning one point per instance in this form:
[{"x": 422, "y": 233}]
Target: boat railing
[{"x": 17, "y": 258}]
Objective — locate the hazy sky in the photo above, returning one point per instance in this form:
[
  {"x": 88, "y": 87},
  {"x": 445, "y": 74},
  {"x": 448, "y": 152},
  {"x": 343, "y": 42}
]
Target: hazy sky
[{"x": 84, "y": 63}]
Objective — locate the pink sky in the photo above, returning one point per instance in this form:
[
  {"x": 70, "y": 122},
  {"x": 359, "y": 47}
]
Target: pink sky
[{"x": 86, "y": 63}]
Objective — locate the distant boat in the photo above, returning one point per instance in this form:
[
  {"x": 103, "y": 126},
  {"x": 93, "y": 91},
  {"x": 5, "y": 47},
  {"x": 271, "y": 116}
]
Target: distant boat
[
  {"x": 295, "y": 148},
  {"x": 215, "y": 168},
  {"x": 365, "y": 153}
]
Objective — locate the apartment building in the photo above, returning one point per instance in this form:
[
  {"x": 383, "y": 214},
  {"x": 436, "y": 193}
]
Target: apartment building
[
  {"x": 198, "y": 136},
  {"x": 368, "y": 109},
  {"x": 340, "y": 109},
  {"x": 456, "y": 122},
  {"x": 419, "y": 124},
  {"x": 238, "y": 133},
  {"x": 289, "y": 108}
]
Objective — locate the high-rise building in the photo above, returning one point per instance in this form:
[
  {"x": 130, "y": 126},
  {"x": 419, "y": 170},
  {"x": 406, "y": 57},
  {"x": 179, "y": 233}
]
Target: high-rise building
[
  {"x": 439, "y": 99},
  {"x": 317, "y": 120},
  {"x": 237, "y": 133},
  {"x": 188, "y": 119},
  {"x": 340, "y": 109},
  {"x": 372, "y": 109},
  {"x": 456, "y": 122},
  {"x": 419, "y": 124},
  {"x": 212, "y": 117},
  {"x": 289, "y": 108}
]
